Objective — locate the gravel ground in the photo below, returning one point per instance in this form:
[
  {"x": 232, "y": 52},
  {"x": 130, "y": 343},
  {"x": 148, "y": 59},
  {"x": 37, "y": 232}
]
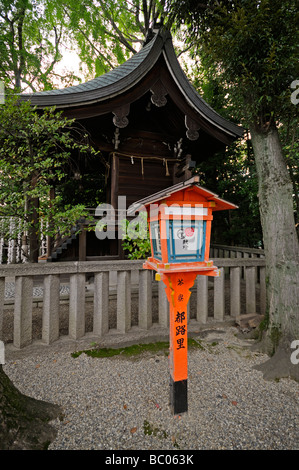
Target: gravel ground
[{"x": 123, "y": 404}]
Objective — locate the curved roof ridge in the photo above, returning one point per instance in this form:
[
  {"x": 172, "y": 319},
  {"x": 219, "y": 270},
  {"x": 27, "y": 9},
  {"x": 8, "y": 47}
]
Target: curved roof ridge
[
  {"x": 194, "y": 98},
  {"x": 103, "y": 81}
]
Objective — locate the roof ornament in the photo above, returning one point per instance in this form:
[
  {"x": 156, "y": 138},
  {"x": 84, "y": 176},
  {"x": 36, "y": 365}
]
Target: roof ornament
[
  {"x": 192, "y": 128},
  {"x": 151, "y": 32},
  {"x": 116, "y": 139},
  {"x": 178, "y": 148},
  {"x": 158, "y": 94},
  {"x": 120, "y": 116}
]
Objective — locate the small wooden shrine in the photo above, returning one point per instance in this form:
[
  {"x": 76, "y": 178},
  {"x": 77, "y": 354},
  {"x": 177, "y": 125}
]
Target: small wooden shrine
[{"x": 150, "y": 125}]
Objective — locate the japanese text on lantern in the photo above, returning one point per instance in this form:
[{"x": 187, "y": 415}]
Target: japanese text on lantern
[{"x": 180, "y": 321}]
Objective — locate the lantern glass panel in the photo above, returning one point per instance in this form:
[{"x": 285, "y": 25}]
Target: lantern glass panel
[
  {"x": 156, "y": 239},
  {"x": 186, "y": 241}
]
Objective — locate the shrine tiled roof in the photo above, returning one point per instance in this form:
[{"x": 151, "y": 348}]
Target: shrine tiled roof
[
  {"x": 126, "y": 76},
  {"x": 104, "y": 86}
]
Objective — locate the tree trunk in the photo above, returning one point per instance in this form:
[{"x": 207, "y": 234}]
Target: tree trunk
[
  {"x": 33, "y": 232},
  {"x": 24, "y": 421},
  {"x": 281, "y": 251}
]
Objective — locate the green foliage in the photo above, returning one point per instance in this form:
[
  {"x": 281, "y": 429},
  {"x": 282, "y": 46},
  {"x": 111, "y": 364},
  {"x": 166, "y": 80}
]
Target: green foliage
[
  {"x": 135, "y": 349},
  {"x": 136, "y": 240},
  {"x": 107, "y": 33},
  {"x": 31, "y": 37},
  {"x": 253, "y": 47},
  {"x": 35, "y": 151},
  {"x": 87, "y": 189},
  {"x": 232, "y": 175},
  {"x": 128, "y": 351}
]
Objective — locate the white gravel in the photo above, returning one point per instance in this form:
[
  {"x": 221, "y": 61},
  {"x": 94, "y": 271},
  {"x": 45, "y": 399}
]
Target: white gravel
[{"x": 123, "y": 404}]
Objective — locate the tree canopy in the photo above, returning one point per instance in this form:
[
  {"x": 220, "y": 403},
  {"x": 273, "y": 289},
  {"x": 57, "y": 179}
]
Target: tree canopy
[
  {"x": 35, "y": 35},
  {"x": 254, "y": 44},
  {"x": 31, "y": 44}
]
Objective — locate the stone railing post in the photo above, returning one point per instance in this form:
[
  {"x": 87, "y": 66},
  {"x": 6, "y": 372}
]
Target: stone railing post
[
  {"x": 202, "y": 299},
  {"x": 50, "y": 326},
  {"x": 101, "y": 303},
  {"x": 163, "y": 306},
  {"x": 123, "y": 301},
  {"x": 77, "y": 306},
  {"x": 145, "y": 300},
  {"x": 235, "y": 291},
  {"x": 250, "y": 289},
  {"x": 219, "y": 296},
  {"x": 23, "y": 311}
]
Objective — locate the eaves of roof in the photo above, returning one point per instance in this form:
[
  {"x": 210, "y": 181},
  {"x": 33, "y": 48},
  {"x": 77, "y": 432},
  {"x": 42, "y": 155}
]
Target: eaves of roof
[{"x": 194, "y": 99}]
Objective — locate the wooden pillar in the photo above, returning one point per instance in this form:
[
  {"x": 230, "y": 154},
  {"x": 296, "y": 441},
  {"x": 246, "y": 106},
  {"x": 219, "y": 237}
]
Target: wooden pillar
[
  {"x": 49, "y": 238},
  {"x": 82, "y": 244},
  {"x": 114, "y": 181}
]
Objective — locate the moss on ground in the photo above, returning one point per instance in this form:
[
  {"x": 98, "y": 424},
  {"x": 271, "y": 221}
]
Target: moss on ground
[{"x": 134, "y": 350}]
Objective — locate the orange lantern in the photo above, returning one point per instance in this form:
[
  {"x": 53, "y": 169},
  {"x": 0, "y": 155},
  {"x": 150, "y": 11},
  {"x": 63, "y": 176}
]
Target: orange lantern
[{"x": 180, "y": 219}]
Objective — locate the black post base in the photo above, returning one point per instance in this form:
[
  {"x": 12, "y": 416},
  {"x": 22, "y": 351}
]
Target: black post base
[{"x": 178, "y": 396}]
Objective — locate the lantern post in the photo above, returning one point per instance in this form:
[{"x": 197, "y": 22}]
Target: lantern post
[{"x": 180, "y": 219}]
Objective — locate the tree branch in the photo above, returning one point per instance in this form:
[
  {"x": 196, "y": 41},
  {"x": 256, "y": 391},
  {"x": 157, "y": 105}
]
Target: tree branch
[
  {"x": 93, "y": 46},
  {"x": 185, "y": 50},
  {"x": 119, "y": 33}
]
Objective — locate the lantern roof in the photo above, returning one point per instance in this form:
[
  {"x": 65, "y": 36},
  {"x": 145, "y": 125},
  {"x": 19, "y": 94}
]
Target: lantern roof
[{"x": 179, "y": 192}]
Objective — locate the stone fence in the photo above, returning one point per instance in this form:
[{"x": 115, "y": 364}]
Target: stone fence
[
  {"x": 118, "y": 295},
  {"x": 224, "y": 251}
]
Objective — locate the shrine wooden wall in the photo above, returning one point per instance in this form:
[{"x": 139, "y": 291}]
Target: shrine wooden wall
[{"x": 138, "y": 177}]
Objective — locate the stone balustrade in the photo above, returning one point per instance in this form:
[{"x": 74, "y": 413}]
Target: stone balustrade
[
  {"x": 126, "y": 283},
  {"x": 226, "y": 251}
]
